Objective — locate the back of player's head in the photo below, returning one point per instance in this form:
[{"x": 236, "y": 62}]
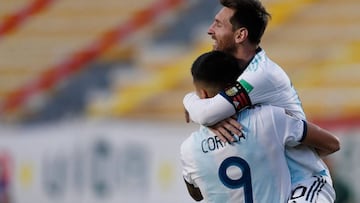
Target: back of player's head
[
  {"x": 250, "y": 14},
  {"x": 216, "y": 69}
]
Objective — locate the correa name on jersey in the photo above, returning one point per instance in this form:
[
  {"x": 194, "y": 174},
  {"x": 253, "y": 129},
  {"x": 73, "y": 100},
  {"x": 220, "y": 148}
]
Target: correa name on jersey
[{"x": 214, "y": 143}]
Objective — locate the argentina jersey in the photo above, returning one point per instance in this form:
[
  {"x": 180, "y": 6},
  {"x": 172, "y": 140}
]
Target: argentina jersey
[
  {"x": 267, "y": 83},
  {"x": 253, "y": 169}
]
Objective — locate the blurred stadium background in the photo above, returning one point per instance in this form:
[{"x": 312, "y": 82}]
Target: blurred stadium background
[{"x": 91, "y": 92}]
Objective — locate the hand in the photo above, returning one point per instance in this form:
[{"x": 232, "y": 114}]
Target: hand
[
  {"x": 224, "y": 129},
  {"x": 187, "y": 116}
]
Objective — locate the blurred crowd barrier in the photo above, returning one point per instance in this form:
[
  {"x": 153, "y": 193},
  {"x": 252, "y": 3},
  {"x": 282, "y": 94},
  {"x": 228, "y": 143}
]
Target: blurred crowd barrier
[
  {"x": 345, "y": 165},
  {"x": 93, "y": 162},
  {"x": 121, "y": 161}
]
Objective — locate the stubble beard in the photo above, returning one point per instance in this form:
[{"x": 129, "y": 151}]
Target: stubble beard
[{"x": 230, "y": 49}]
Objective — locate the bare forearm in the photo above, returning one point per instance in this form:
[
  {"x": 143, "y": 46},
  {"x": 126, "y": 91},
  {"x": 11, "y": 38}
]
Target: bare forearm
[{"x": 323, "y": 141}]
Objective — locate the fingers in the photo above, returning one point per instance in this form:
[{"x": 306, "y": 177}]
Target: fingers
[
  {"x": 226, "y": 130},
  {"x": 233, "y": 126},
  {"x": 223, "y": 134}
]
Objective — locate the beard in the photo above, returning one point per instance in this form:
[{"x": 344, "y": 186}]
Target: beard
[{"x": 227, "y": 46}]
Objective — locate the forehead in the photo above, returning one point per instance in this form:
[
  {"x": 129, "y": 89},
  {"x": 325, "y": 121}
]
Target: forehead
[{"x": 224, "y": 14}]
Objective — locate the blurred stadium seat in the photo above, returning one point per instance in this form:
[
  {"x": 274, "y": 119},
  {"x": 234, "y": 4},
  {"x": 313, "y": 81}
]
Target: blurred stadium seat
[
  {"x": 8, "y": 7},
  {"x": 316, "y": 46},
  {"x": 57, "y": 33},
  {"x": 315, "y": 41}
]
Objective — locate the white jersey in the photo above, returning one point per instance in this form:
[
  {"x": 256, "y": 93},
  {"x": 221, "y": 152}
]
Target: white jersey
[
  {"x": 266, "y": 83},
  {"x": 253, "y": 169}
]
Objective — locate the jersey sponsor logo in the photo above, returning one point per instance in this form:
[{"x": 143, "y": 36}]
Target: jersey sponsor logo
[
  {"x": 308, "y": 194},
  {"x": 246, "y": 85}
]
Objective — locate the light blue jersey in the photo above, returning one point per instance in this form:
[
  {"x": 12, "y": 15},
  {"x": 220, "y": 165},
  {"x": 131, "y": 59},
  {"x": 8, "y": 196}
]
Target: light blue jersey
[
  {"x": 267, "y": 83},
  {"x": 253, "y": 169}
]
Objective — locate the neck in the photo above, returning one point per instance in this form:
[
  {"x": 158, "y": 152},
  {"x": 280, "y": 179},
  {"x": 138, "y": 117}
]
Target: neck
[{"x": 245, "y": 54}]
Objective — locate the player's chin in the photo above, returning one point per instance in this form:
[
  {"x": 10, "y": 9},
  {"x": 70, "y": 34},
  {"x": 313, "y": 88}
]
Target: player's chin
[{"x": 215, "y": 47}]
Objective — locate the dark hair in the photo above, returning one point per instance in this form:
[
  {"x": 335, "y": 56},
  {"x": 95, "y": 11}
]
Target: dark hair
[
  {"x": 216, "y": 68},
  {"x": 250, "y": 14}
]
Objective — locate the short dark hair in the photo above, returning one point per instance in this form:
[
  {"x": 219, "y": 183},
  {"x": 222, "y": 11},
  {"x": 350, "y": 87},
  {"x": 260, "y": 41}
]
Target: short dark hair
[
  {"x": 216, "y": 68},
  {"x": 250, "y": 14}
]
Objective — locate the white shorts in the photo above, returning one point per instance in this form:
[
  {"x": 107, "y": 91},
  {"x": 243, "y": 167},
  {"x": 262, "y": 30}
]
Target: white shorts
[{"x": 318, "y": 189}]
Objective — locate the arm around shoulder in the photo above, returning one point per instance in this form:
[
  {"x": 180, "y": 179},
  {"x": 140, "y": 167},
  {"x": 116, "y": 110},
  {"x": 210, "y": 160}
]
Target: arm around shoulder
[
  {"x": 207, "y": 111},
  {"x": 323, "y": 141}
]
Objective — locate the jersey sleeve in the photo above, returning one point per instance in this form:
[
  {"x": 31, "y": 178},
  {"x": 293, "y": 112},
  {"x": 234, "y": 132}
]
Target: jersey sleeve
[
  {"x": 187, "y": 162},
  {"x": 208, "y": 111},
  {"x": 291, "y": 130},
  {"x": 260, "y": 86}
]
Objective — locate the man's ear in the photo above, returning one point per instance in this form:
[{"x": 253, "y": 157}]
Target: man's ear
[
  {"x": 203, "y": 94},
  {"x": 241, "y": 34}
]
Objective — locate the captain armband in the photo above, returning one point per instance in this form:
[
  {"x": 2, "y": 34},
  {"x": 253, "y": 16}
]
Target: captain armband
[{"x": 237, "y": 96}]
